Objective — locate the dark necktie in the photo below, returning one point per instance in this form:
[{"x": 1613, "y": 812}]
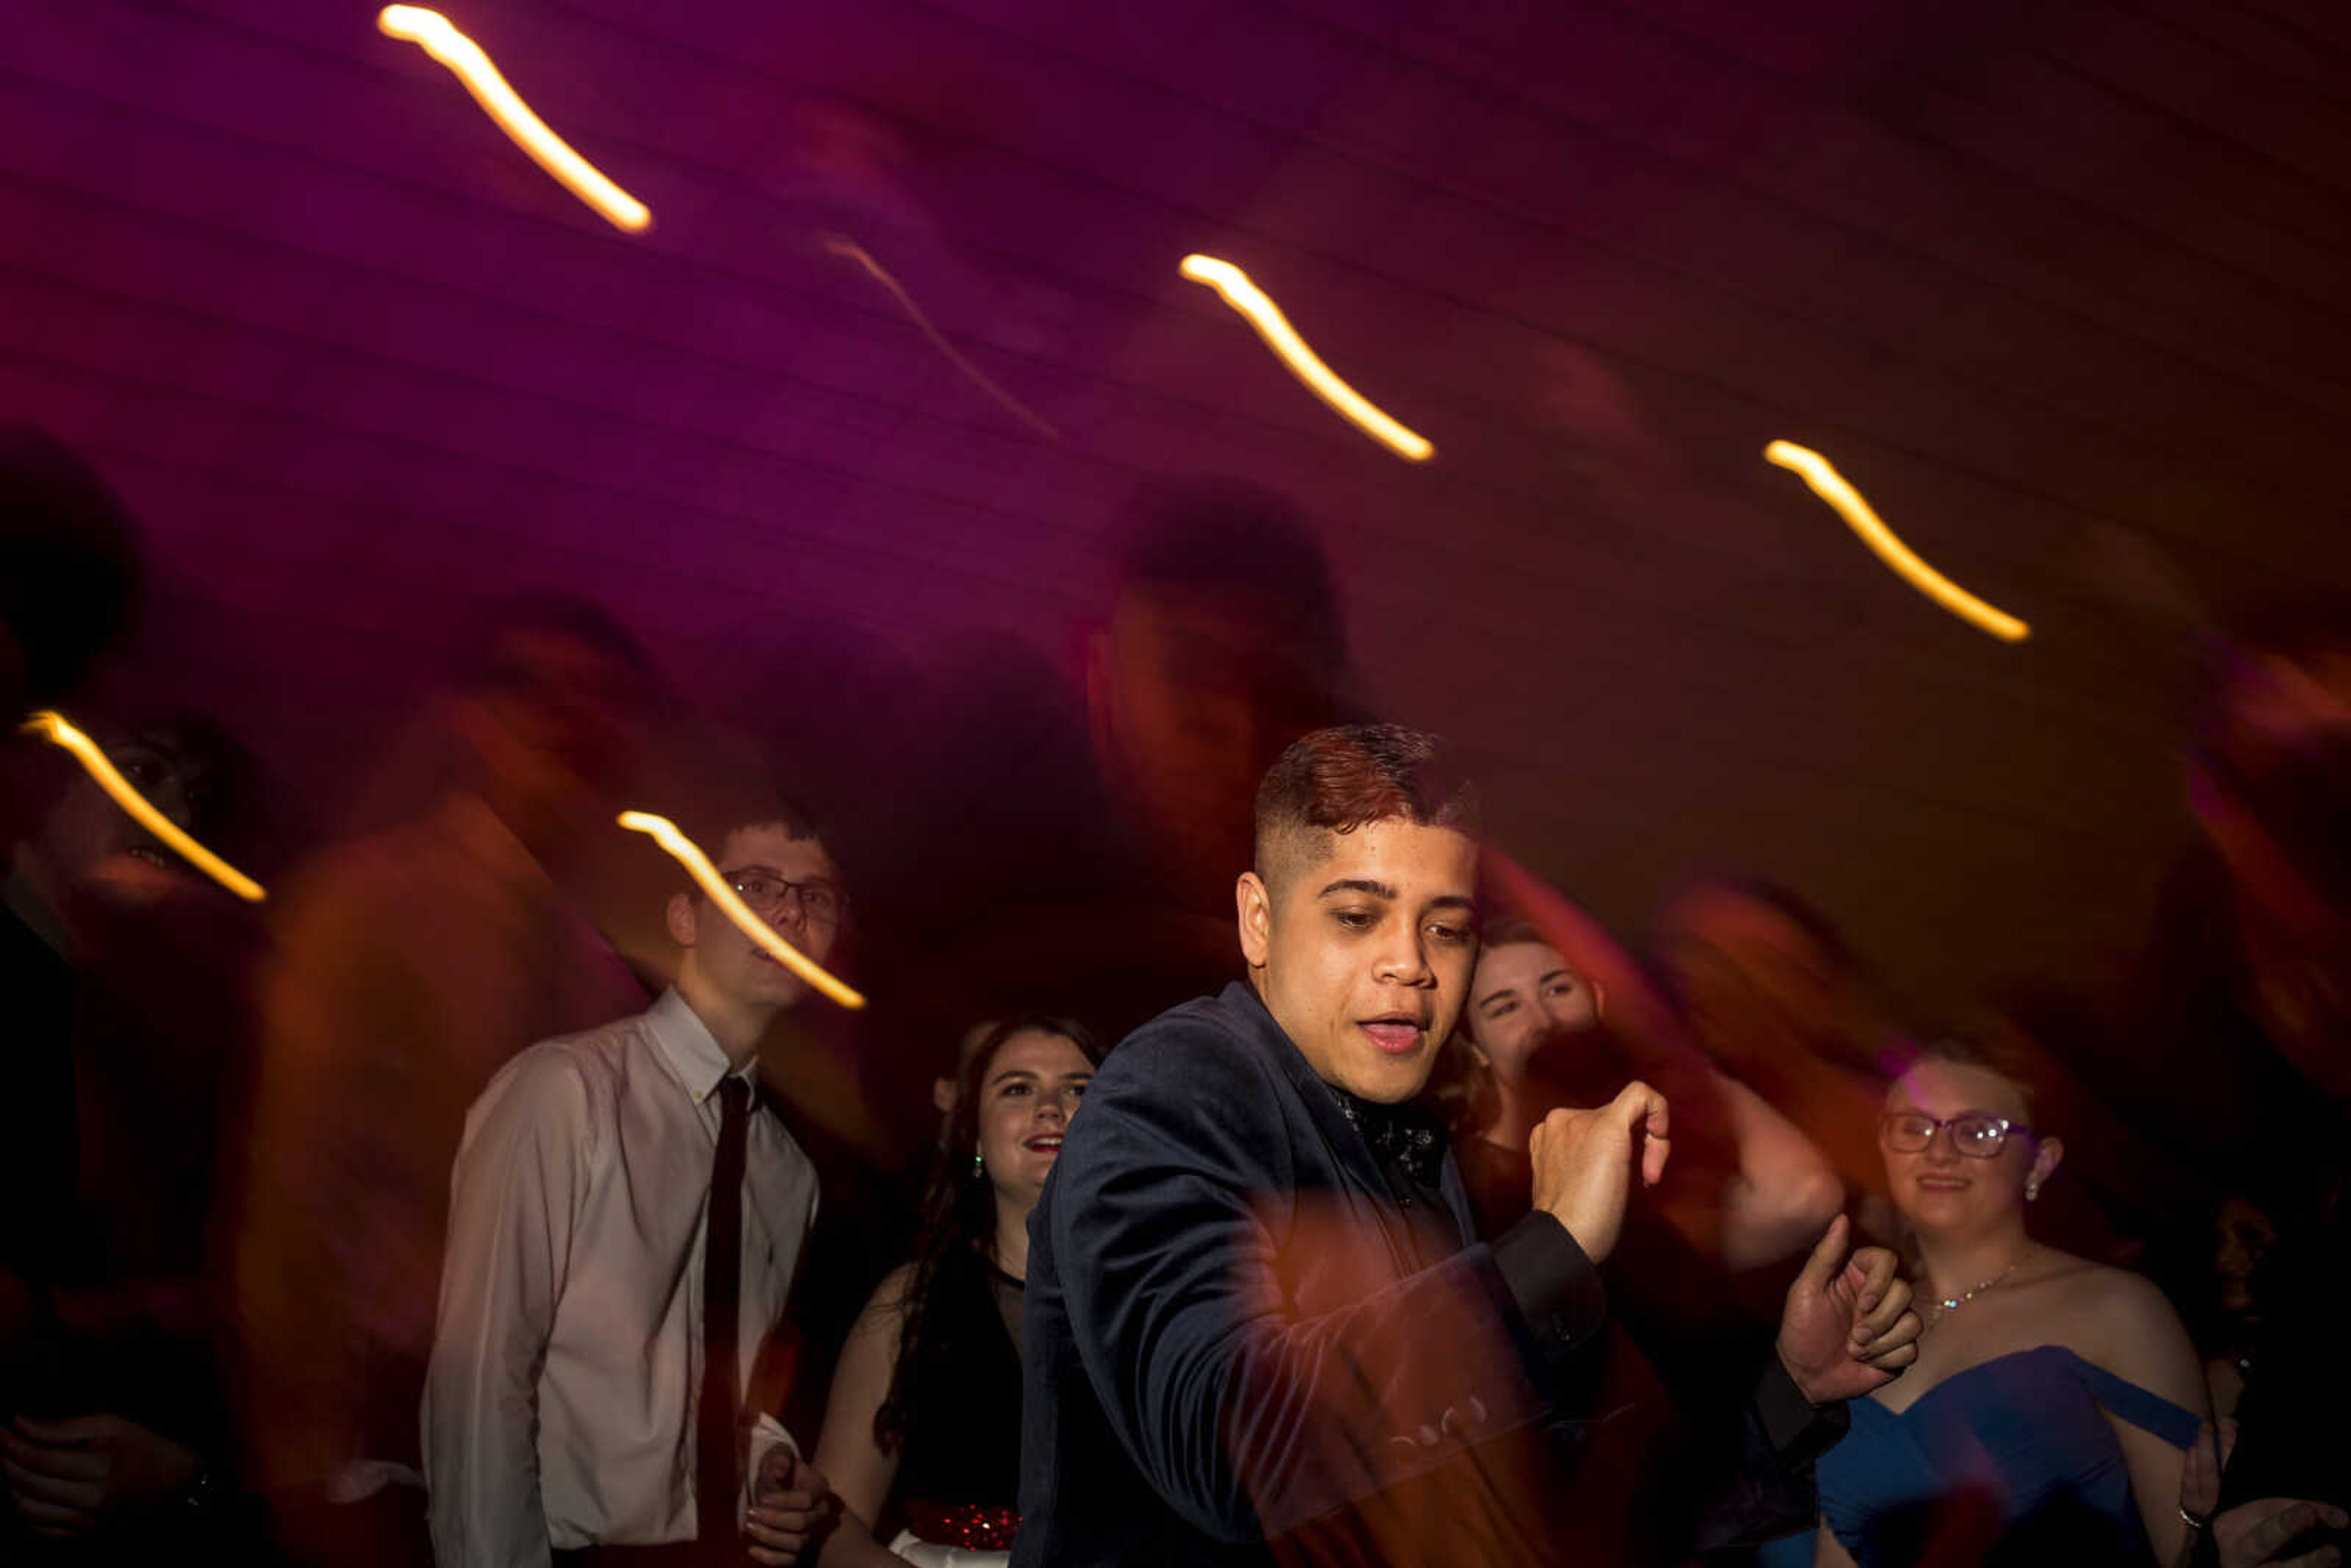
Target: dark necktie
[{"x": 717, "y": 1471}]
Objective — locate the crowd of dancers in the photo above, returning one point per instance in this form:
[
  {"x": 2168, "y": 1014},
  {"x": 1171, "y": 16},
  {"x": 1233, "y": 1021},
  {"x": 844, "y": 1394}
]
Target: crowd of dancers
[{"x": 1244, "y": 1159}]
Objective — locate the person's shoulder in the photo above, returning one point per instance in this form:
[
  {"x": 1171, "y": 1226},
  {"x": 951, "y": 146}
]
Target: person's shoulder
[
  {"x": 1212, "y": 1041},
  {"x": 1201, "y": 1078},
  {"x": 2103, "y": 1291},
  {"x": 2114, "y": 1317},
  {"x": 2132, "y": 1303},
  {"x": 570, "y": 1074},
  {"x": 886, "y": 1308}
]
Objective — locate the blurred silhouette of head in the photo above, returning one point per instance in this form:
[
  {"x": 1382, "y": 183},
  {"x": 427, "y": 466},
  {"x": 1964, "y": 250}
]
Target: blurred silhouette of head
[
  {"x": 70, "y": 569},
  {"x": 2270, "y": 768},
  {"x": 1223, "y": 645},
  {"x": 1753, "y": 966},
  {"x": 552, "y": 703}
]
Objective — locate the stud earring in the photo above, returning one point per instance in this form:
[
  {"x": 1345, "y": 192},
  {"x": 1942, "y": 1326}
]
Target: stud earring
[{"x": 2033, "y": 1192}]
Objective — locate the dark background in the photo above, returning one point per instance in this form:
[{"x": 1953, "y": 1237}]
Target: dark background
[{"x": 2060, "y": 285}]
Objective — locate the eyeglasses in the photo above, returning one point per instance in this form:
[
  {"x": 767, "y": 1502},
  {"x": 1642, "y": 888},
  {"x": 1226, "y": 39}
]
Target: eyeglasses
[
  {"x": 820, "y": 901},
  {"x": 1975, "y": 1134}
]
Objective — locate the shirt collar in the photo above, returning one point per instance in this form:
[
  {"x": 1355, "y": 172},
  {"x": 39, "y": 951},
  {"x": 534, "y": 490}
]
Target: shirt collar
[{"x": 693, "y": 1053}]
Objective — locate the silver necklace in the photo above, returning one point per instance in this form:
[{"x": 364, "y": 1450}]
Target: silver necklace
[{"x": 1953, "y": 1303}]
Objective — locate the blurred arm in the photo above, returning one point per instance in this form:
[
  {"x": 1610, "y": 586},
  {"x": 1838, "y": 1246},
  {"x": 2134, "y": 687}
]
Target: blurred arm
[
  {"x": 1783, "y": 1192},
  {"x": 512, "y": 1208}
]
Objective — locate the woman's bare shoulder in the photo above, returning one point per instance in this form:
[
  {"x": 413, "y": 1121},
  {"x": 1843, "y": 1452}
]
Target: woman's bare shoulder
[
  {"x": 2117, "y": 1319},
  {"x": 886, "y": 1308}
]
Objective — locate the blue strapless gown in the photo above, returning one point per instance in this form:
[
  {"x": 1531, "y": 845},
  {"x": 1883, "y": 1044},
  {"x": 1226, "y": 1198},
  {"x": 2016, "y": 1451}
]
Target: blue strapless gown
[{"x": 2014, "y": 1453}]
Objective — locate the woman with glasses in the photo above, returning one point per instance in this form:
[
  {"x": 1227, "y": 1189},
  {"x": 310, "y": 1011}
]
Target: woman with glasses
[
  {"x": 922, "y": 1434},
  {"x": 2047, "y": 1417}
]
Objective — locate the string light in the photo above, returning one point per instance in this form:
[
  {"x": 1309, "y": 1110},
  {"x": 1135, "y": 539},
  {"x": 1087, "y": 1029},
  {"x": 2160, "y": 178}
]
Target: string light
[
  {"x": 682, "y": 849},
  {"x": 1234, "y": 286},
  {"x": 122, "y": 791},
  {"x": 849, "y": 249},
  {"x": 437, "y": 36},
  {"x": 1831, "y": 486}
]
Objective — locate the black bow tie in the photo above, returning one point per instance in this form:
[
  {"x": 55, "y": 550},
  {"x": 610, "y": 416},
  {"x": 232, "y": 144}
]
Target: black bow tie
[{"x": 1403, "y": 1135}]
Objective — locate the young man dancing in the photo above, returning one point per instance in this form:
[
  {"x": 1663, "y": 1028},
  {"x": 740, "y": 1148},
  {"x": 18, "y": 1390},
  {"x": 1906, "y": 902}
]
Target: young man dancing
[{"x": 1259, "y": 1324}]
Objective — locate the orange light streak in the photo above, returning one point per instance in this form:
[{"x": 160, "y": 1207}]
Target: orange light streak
[
  {"x": 1831, "y": 486},
  {"x": 682, "y": 849},
  {"x": 849, "y": 249},
  {"x": 124, "y": 794},
  {"x": 432, "y": 32},
  {"x": 1234, "y": 286}
]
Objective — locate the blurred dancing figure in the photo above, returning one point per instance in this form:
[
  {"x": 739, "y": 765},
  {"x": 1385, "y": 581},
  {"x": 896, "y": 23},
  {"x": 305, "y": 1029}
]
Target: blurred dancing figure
[
  {"x": 1769, "y": 990},
  {"x": 2247, "y": 1017},
  {"x": 126, "y": 969},
  {"x": 1535, "y": 1030},
  {"x": 411, "y": 965}
]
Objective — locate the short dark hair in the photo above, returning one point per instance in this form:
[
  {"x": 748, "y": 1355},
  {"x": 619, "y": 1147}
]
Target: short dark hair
[
  {"x": 1339, "y": 780},
  {"x": 487, "y": 657},
  {"x": 70, "y": 577},
  {"x": 709, "y": 821},
  {"x": 727, "y": 801},
  {"x": 1216, "y": 535}
]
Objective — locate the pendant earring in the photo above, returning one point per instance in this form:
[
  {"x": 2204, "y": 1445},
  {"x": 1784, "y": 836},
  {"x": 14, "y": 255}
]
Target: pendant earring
[
  {"x": 979, "y": 1162},
  {"x": 2033, "y": 1192}
]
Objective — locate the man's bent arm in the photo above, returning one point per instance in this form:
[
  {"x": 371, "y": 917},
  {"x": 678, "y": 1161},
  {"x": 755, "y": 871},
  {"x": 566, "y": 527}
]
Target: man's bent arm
[{"x": 1248, "y": 1419}]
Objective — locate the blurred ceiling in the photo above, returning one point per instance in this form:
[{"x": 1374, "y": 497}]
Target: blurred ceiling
[{"x": 2060, "y": 286}]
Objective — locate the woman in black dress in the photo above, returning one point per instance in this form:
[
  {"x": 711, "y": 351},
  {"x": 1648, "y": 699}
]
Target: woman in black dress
[{"x": 922, "y": 1435}]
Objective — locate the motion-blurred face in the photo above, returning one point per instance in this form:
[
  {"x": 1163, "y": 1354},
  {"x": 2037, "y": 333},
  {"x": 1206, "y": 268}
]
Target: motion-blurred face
[
  {"x": 789, "y": 882},
  {"x": 2243, "y": 1236},
  {"x": 94, "y": 849},
  {"x": 1028, "y": 1096},
  {"x": 558, "y": 733},
  {"x": 1524, "y": 998},
  {"x": 1364, "y": 955},
  {"x": 1194, "y": 696},
  {"x": 1943, "y": 1188}
]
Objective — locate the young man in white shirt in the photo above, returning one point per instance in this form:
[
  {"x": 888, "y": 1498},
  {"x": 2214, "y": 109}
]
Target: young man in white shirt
[{"x": 570, "y": 1406}]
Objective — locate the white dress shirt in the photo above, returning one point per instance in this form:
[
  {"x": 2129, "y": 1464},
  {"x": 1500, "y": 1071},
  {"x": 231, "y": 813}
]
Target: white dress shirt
[{"x": 559, "y": 1404}]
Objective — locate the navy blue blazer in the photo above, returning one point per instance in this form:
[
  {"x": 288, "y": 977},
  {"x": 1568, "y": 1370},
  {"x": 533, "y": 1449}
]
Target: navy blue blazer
[{"x": 1233, "y": 1333}]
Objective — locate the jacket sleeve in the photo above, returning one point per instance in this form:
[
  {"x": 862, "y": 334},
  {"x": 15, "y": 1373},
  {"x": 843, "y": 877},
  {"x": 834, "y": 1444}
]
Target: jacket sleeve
[{"x": 1175, "y": 1222}]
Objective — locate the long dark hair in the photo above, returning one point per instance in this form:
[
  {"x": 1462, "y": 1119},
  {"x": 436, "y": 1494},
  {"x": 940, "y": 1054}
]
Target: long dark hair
[{"x": 958, "y": 1240}]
